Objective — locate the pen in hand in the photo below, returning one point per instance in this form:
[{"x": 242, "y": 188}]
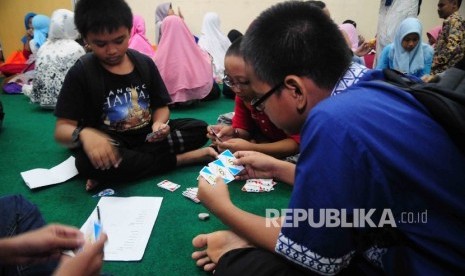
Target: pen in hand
[
  {"x": 97, "y": 225},
  {"x": 98, "y": 215}
]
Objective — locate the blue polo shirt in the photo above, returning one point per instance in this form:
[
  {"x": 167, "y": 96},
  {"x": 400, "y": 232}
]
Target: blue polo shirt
[{"x": 375, "y": 150}]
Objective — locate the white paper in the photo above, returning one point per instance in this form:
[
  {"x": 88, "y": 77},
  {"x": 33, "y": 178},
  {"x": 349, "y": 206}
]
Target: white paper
[
  {"x": 128, "y": 222},
  {"x": 43, "y": 177}
]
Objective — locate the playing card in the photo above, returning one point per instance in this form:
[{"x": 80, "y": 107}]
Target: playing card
[
  {"x": 215, "y": 134},
  {"x": 228, "y": 160},
  {"x": 208, "y": 175},
  {"x": 168, "y": 185},
  {"x": 261, "y": 181},
  {"x": 191, "y": 193},
  {"x": 155, "y": 133},
  {"x": 219, "y": 169},
  {"x": 258, "y": 185}
]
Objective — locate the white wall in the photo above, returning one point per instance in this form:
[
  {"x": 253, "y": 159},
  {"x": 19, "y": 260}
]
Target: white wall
[{"x": 237, "y": 14}]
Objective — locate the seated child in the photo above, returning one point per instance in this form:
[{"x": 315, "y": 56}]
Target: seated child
[
  {"x": 112, "y": 108},
  {"x": 251, "y": 129},
  {"x": 407, "y": 53},
  {"x": 185, "y": 69},
  {"x": 54, "y": 58},
  {"x": 138, "y": 41}
]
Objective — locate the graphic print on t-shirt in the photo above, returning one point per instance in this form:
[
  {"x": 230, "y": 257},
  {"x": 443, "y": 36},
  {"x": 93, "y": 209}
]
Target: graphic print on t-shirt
[{"x": 127, "y": 107}]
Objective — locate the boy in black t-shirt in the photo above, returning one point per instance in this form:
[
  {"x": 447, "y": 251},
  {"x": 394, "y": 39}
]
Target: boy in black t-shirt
[{"x": 108, "y": 126}]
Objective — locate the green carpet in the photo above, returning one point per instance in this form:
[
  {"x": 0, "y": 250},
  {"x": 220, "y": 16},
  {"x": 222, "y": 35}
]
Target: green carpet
[{"x": 26, "y": 142}]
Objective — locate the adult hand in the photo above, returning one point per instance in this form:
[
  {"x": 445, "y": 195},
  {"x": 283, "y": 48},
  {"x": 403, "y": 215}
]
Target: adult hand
[
  {"x": 215, "y": 197},
  {"x": 257, "y": 165},
  {"x": 87, "y": 262},
  {"x": 99, "y": 149},
  {"x": 42, "y": 245}
]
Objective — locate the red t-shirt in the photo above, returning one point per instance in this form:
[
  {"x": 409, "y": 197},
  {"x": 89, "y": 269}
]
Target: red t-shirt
[{"x": 247, "y": 118}]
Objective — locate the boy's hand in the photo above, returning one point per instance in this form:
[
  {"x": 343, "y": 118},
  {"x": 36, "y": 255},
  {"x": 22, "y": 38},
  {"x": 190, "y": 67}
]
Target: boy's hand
[
  {"x": 87, "y": 262},
  {"x": 43, "y": 244},
  {"x": 220, "y": 133},
  {"x": 235, "y": 144},
  {"x": 215, "y": 197},
  {"x": 159, "y": 132},
  {"x": 97, "y": 145},
  {"x": 257, "y": 165}
]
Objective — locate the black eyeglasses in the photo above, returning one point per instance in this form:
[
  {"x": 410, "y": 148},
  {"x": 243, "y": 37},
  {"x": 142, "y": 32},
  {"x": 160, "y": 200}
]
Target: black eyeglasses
[
  {"x": 257, "y": 103},
  {"x": 239, "y": 85}
]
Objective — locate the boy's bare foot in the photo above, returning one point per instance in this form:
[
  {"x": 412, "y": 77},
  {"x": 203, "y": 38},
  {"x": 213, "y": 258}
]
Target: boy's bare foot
[
  {"x": 217, "y": 244},
  {"x": 91, "y": 184},
  {"x": 202, "y": 155}
]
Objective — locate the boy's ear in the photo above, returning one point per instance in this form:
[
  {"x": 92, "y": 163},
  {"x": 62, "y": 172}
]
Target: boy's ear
[{"x": 297, "y": 86}]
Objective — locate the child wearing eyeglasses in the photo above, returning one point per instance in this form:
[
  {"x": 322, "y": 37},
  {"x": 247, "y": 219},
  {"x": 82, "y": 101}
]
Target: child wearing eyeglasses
[{"x": 251, "y": 129}]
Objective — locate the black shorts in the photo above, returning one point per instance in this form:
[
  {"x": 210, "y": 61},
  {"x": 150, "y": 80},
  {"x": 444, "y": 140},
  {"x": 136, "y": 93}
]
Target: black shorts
[{"x": 256, "y": 261}]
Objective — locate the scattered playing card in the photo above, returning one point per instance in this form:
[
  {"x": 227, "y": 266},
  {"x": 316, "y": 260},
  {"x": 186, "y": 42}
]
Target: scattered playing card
[
  {"x": 168, "y": 185},
  {"x": 258, "y": 185},
  {"x": 191, "y": 193}
]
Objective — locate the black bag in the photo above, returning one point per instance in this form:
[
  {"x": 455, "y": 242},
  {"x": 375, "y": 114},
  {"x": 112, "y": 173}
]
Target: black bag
[
  {"x": 2, "y": 114},
  {"x": 444, "y": 99}
]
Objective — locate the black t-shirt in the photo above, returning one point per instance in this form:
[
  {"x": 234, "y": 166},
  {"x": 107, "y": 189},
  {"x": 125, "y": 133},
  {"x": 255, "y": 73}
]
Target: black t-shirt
[{"x": 127, "y": 103}]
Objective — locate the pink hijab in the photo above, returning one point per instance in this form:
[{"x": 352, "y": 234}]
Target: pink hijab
[
  {"x": 184, "y": 67},
  {"x": 434, "y": 32},
  {"x": 138, "y": 41},
  {"x": 351, "y": 32}
]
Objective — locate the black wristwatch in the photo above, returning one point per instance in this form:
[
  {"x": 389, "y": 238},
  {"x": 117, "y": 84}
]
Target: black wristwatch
[{"x": 75, "y": 136}]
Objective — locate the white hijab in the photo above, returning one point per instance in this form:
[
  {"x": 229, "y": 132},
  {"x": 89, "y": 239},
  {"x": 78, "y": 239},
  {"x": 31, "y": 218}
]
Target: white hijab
[
  {"x": 214, "y": 42},
  {"x": 62, "y": 25}
]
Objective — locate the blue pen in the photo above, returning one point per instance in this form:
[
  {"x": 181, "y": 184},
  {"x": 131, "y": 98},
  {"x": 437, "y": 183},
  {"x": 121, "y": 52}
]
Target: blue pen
[{"x": 97, "y": 225}]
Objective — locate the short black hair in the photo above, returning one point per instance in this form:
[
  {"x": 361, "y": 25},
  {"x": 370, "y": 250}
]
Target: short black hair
[
  {"x": 294, "y": 38},
  {"x": 101, "y": 15},
  {"x": 350, "y": 21},
  {"x": 319, "y": 4},
  {"x": 235, "y": 48}
]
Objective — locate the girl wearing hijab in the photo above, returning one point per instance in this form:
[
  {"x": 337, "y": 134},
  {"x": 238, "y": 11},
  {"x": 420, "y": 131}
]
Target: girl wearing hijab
[
  {"x": 215, "y": 43},
  {"x": 184, "y": 67},
  {"x": 29, "y": 33},
  {"x": 21, "y": 82},
  {"x": 40, "y": 24},
  {"x": 54, "y": 58},
  {"x": 351, "y": 35},
  {"x": 138, "y": 41},
  {"x": 407, "y": 53},
  {"x": 433, "y": 35},
  {"x": 16, "y": 62},
  {"x": 161, "y": 12}
]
